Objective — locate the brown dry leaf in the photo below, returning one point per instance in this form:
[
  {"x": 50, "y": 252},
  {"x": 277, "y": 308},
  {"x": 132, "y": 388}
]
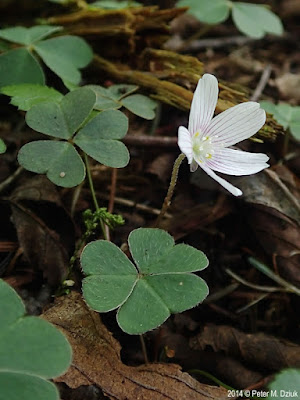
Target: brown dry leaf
[
  {"x": 258, "y": 349},
  {"x": 227, "y": 369},
  {"x": 190, "y": 219},
  {"x": 96, "y": 360},
  {"x": 274, "y": 215},
  {"x": 289, "y": 86},
  {"x": 45, "y": 231}
]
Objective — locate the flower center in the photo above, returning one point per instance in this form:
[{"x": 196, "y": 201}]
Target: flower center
[{"x": 202, "y": 147}]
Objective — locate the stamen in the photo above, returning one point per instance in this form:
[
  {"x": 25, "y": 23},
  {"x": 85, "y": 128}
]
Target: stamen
[{"x": 202, "y": 147}]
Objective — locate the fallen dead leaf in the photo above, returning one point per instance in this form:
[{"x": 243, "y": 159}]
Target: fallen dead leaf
[
  {"x": 96, "y": 360},
  {"x": 273, "y": 211},
  {"x": 201, "y": 215},
  {"x": 289, "y": 86},
  {"x": 45, "y": 231},
  {"x": 258, "y": 349}
]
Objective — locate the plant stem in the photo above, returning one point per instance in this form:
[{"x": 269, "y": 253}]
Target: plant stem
[
  {"x": 210, "y": 376},
  {"x": 144, "y": 350},
  {"x": 90, "y": 180},
  {"x": 167, "y": 201},
  {"x": 91, "y": 185}
]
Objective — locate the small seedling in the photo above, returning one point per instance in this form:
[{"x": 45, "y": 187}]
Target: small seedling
[{"x": 145, "y": 294}]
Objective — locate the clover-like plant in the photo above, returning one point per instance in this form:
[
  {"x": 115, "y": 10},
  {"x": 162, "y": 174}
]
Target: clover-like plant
[
  {"x": 160, "y": 283},
  {"x": 253, "y": 20},
  {"x": 288, "y": 116},
  {"x": 285, "y": 384},
  {"x": 117, "y": 96},
  {"x": 64, "y": 120},
  {"x": 26, "y": 95},
  {"x": 31, "y": 351},
  {"x": 64, "y": 55}
]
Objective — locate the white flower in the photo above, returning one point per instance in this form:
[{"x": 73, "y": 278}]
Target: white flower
[{"x": 205, "y": 143}]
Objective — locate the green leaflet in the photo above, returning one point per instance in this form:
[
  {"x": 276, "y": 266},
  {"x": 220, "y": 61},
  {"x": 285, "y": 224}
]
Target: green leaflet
[{"x": 160, "y": 282}]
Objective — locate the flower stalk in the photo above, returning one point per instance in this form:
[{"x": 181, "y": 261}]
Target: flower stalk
[{"x": 168, "y": 198}]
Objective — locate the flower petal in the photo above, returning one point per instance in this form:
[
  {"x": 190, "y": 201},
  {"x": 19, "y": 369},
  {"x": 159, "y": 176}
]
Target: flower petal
[
  {"x": 237, "y": 123},
  {"x": 228, "y": 186},
  {"x": 203, "y": 104},
  {"x": 185, "y": 143},
  {"x": 237, "y": 162}
]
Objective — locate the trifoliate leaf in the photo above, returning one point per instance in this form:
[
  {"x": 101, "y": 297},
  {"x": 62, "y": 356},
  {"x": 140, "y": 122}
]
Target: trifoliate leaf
[
  {"x": 65, "y": 55},
  {"x": 268, "y": 106},
  {"x": 27, "y": 36},
  {"x": 255, "y": 20},
  {"x": 210, "y": 12},
  {"x": 20, "y": 66},
  {"x": 98, "y": 138},
  {"x": 285, "y": 384},
  {"x": 2, "y": 147},
  {"x": 107, "y": 268},
  {"x": 160, "y": 284},
  {"x": 295, "y": 123},
  {"x": 58, "y": 160},
  {"x": 61, "y": 120},
  {"x": 26, "y": 95},
  {"x": 288, "y": 116},
  {"x": 27, "y": 358},
  {"x": 140, "y": 105}
]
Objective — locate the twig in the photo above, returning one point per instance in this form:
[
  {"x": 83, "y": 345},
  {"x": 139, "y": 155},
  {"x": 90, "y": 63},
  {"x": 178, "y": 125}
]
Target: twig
[
  {"x": 196, "y": 45},
  {"x": 270, "y": 274},
  {"x": 150, "y": 141},
  {"x": 138, "y": 206},
  {"x": 252, "y": 303},
  {"x": 144, "y": 349},
  {"x": 221, "y": 293},
  {"x": 262, "y": 83},
  {"x": 75, "y": 198},
  {"x": 11, "y": 179},
  {"x": 269, "y": 289},
  {"x": 201, "y": 32}
]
